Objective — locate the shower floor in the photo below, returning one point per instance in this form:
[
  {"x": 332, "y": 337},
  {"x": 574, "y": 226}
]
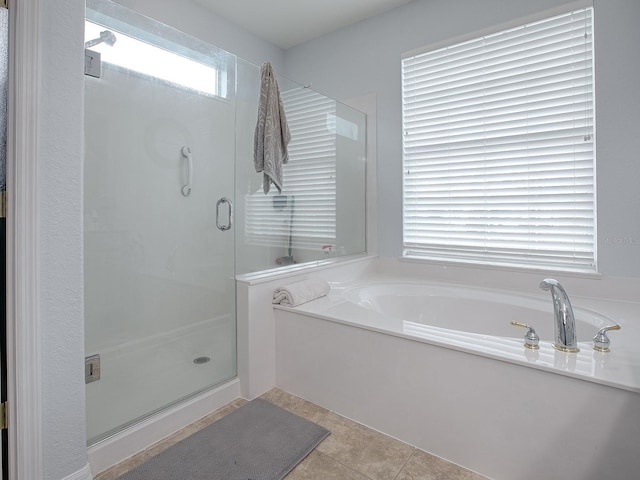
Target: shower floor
[{"x": 141, "y": 377}]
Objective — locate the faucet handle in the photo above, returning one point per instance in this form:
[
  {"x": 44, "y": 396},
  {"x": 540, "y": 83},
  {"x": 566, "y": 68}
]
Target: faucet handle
[
  {"x": 531, "y": 338},
  {"x": 601, "y": 341}
]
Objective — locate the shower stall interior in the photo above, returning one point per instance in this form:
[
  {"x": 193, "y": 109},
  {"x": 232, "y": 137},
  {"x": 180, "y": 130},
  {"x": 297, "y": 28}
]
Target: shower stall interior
[{"x": 174, "y": 210}]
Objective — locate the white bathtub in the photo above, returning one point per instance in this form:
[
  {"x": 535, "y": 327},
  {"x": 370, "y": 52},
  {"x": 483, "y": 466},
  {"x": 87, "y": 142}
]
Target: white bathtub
[
  {"x": 461, "y": 309},
  {"x": 440, "y": 367},
  {"x": 478, "y": 321}
]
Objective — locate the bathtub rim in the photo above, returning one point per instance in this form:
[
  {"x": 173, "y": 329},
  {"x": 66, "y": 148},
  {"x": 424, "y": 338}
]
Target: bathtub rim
[{"x": 442, "y": 286}]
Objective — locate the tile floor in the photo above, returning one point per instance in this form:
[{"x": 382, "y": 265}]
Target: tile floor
[{"x": 351, "y": 452}]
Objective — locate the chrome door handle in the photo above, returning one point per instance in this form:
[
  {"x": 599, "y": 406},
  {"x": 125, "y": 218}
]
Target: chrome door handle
[
  {"x": 220, "y": 226},
  {"x": 186, "y": 153}
]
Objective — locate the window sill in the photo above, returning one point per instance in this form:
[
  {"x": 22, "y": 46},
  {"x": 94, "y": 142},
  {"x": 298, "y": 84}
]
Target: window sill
[{"x": 591, "y": 275}]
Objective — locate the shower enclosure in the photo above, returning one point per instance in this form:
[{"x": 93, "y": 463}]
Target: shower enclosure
[
  {"x": 173, "y": 209},
  {"x": 159, "y": 272}
]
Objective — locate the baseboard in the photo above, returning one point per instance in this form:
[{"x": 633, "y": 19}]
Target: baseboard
[
  {"x": 83, "y": 474},
  {"x": 116, "y": 449}
]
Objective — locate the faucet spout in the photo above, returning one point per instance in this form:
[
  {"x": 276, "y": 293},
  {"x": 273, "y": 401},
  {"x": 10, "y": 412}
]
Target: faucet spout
[{"x": 565, "y": 337}]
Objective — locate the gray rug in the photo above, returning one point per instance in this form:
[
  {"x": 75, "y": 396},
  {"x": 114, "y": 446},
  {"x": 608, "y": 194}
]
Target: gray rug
[{"x": 258, "y": 441}]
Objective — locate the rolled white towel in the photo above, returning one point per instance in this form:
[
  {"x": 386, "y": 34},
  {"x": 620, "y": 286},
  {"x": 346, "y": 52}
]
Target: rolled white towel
[{"x": 301, "y": 292}]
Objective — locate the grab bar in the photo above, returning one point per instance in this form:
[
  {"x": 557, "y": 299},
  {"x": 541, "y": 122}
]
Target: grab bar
[
  {"x": 186, "y": 153},
  {"x": 218, "y": 224}
]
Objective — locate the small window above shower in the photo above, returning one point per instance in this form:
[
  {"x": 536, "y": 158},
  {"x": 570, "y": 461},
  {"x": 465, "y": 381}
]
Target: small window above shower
[{"x": 126, "y": 42}]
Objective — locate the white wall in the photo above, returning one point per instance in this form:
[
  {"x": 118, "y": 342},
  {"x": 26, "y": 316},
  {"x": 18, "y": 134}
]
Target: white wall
[
  {"x": 617, "y": 69},
  {"x": 61, "y": 304},
  {"x": 365, "y": 59}
]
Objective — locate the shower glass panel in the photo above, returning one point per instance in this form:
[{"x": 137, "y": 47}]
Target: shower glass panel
[
  {"x": 320, "y": 213},
  {"x": 159, "y": 174}
]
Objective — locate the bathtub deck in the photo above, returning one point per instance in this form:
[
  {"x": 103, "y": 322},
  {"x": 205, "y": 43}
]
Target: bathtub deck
[{"x": 351, "y": 452}]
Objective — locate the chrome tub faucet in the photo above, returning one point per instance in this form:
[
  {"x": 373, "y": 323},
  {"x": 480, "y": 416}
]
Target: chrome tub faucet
[{"x": 565, "y": 337}]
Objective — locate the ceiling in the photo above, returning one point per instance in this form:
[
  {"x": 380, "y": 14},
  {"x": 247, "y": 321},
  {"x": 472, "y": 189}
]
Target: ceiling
[{"x": 287, "y": 23}]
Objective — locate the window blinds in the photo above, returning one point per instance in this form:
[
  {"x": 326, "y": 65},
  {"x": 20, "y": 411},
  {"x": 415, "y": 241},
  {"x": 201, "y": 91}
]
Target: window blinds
[
  {"x": 305, "y": 213},
  {"x": 498, "y": 151}
]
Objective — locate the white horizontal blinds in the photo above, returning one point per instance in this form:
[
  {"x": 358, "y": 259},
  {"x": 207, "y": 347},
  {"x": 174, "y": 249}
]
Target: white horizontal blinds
[
  {"x": 309, "y": 179},
  {"x": 498, "y": 147}
]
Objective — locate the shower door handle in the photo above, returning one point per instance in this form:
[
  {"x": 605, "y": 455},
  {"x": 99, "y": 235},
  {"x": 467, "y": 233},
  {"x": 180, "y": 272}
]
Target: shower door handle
[
  {"x": 186, "y": 153},
  {"x": 223, "y": 200}
]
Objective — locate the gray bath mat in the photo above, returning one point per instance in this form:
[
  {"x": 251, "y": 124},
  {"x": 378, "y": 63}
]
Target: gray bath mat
[{"x": 258, "y": 441}]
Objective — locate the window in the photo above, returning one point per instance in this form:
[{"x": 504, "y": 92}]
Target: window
[
  {"x": 148, "y": 59},
  {"x": 304, "y": 215},
  {"x": 498, "y": 148}
]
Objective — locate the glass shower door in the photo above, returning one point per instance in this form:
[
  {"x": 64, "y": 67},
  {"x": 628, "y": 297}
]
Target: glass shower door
[{"x": 160, "y": 321}]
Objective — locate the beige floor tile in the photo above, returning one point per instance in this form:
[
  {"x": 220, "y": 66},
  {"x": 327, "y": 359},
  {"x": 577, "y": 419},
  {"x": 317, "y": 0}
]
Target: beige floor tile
[
  {"x": 351, "y": 452},
  {"x": 423, "y": 466},
  {"x": 296, "y": 405},
  {"x": 318, "y": 466},
  {"x": 377, "y": 456}
]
